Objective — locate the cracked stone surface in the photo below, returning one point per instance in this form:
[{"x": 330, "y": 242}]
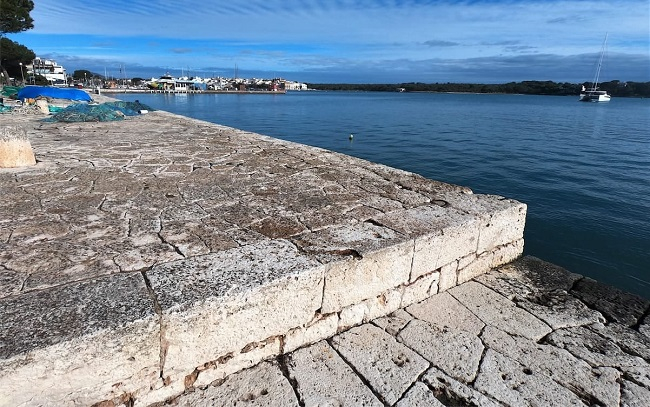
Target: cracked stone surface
[
  {"x": 592, "y": 383},
  {"x": 389, "y": 367},
  {"x": 161, "y": 259},
  {"x": 232, "y": 244},
  {"x": 419, "y": 395},
  {"x": 323, "y": 378},
  {"x": 457, "y": 353},
  {"x": 262, "y": 385},
  {"x": 494, "y": 309},
  {"x": 586, "y": 364},
  {"x": 514, "y": 384}
]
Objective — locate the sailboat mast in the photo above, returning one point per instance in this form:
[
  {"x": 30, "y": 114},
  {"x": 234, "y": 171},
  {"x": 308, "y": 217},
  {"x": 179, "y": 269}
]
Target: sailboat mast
[{"x": 600, "y": 63}]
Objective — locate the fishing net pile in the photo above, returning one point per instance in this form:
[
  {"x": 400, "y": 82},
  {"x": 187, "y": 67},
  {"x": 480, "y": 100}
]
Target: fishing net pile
[
  {"x": 10, "y": 91},
  {"x": 105, "y": 112}
]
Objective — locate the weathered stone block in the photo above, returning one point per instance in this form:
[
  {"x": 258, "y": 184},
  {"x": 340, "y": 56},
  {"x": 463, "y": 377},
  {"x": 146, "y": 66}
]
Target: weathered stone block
[
  {"x": 370, "y": 276},
  {"x": 515, "y": 384},
  {"x": 421, "y": 289},
  {"x": 444, "y": 311},
  {"x": 324, "y": 379},
  {"x": 215, "y": 305},
  {"x": 385, "y": 303},
  {"x": 501, "y": 220},
  {"x": 474, "y": 266},
  {"x": 448, "y": 276},
  {"x": 388, "y": 366},
  {"x": 441, "y": 235},
  {"x": 249, "y": 356},
  {"x": 494, "y": 309},
  {"x": 323, "y": 327},
  {"x": 79, "y": 343},
  {"x": 368, "y": 257},
  {"x": 15, "y": 148},
  {"x": 457, "y": 353},
  {"x": 351, "y": 316}
]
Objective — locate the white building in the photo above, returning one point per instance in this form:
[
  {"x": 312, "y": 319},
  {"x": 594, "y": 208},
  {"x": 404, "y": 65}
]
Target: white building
[
  {"x": 291, "y": 85},
  {"x": 54, "y": 73}
]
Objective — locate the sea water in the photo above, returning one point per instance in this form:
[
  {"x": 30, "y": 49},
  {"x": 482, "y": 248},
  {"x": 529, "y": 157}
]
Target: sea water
[{"x": 582, "y": 168}]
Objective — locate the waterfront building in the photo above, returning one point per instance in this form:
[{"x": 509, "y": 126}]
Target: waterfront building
[
  {"x": 291, "y": 85},
  {"x": 53, "y": 72}
]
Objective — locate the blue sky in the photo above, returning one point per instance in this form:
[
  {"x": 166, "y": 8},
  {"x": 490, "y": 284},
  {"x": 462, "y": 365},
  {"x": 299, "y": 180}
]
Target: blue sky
[{"x": 364, "y": 41}]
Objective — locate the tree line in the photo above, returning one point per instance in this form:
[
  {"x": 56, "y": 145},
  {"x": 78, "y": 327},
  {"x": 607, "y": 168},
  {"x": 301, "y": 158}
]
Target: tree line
[
  {"x": 14, "y": 18},
  {"x": 615, "y": 88}
]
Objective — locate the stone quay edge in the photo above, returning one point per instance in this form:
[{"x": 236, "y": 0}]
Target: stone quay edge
[{"x": 146, "y": 257}]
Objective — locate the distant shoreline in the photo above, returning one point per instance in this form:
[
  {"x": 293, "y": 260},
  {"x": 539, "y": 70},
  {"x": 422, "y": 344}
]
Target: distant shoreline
[
  {"x": 615, "y": 88},
  {"x": 251, "y": 92}
]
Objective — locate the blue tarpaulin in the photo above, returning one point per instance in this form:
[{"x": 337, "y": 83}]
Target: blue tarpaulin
[{"x": 32, "y": 92}]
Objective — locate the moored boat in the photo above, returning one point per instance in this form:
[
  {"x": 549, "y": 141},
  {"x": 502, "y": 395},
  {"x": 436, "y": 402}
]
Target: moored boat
[{"x": 593, "y": 94}]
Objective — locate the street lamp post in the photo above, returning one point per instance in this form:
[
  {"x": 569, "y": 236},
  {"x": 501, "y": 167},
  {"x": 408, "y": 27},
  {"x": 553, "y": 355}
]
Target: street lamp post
[{"x": 22, "y": 74}]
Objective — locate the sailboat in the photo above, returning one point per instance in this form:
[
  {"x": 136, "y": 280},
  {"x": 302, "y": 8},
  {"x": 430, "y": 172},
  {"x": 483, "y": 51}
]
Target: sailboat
[{"x": 593, "y": 94}]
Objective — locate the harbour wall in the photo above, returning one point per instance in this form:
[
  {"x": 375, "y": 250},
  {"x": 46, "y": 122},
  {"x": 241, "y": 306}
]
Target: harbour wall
[{"x": 145, "y": 257}]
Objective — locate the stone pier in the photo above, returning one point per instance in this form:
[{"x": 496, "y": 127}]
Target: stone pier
[
  {"x": 150, "y": 259},
  {"x": 525, "y": 334}
]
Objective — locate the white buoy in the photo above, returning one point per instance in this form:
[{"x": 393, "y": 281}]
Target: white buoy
[{"x": 351, "y": 136}]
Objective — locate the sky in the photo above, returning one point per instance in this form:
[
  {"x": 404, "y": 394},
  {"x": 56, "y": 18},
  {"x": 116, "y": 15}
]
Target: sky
[{"x": 345, "y": 41}]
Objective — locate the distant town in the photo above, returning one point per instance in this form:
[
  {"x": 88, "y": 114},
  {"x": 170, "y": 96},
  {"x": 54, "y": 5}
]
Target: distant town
[{"x": 48, "y": 72}]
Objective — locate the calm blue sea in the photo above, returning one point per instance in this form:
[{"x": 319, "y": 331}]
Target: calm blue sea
[{"x": 583, "y": 169}]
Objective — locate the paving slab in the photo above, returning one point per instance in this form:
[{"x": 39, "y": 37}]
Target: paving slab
[
  {"x": 590, "y": 383},
  {"x": 616, "y": 305},
  {"x": 633, "y": 395},
  {"x": 419, "y": 395},
  {"x": 262, "y": 385},
  {"x": 457, "y": 353},
  {"x": 597, "y": 350},
  {"x": 543, "y": 290},
  {"x": 452, "y": 392},
  {"x": 445, "y": 311},
  {"x": 494, "y": 309},
  {"x": 394, "y": 322},
  {"x": 514, "y": 384},
  {"x": 323, "y": 379},
  {"x": 389, "y": 367}
]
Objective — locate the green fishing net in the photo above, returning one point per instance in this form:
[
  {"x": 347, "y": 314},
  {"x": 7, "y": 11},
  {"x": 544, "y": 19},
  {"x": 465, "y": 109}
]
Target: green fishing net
[
  {"x": 8, "y": 91},
  {"x": 105, "y": 112}
]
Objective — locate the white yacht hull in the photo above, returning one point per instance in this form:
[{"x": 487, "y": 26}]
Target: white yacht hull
[{"x": 594, "y": 97}]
